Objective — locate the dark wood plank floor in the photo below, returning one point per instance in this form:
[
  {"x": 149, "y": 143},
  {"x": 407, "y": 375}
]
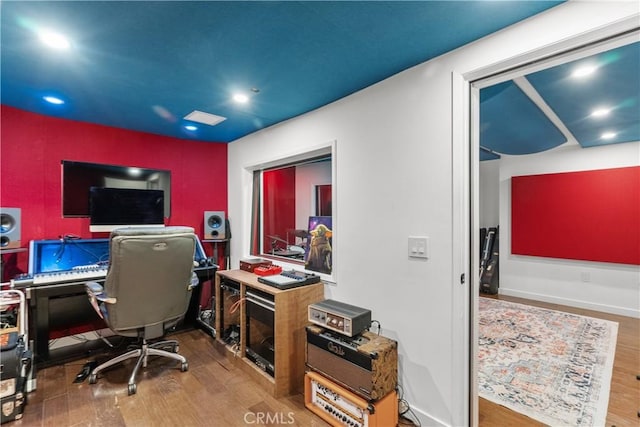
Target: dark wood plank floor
[
  {"x": 211, "y": 393},
  {"x": 624, "y": 398},
  {"x": 215, "y": 393}
]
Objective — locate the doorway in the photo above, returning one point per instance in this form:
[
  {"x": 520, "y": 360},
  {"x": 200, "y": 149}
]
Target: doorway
[{"x": 578, "y": 48}]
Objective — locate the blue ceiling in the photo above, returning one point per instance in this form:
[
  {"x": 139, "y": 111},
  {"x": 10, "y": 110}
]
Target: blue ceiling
[
  {"x": 145, "y": 65},
  {"x": 511, "y": 123},
  {"x": 615, "y": 84}
]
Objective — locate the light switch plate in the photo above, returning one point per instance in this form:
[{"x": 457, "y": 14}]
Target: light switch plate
[{"x": 418, "y": 247}]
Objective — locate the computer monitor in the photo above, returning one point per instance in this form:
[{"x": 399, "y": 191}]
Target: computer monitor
[
  {"x": 111, "y": 208},
  {"x": 64, "y": 254}
]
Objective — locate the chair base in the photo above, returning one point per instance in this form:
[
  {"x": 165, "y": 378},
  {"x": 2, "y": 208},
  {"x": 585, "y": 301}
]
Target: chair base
[{"x": 142, "y": 354}]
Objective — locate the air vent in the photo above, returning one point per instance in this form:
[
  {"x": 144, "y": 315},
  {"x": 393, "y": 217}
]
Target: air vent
[{"x": 205, "y": 118}]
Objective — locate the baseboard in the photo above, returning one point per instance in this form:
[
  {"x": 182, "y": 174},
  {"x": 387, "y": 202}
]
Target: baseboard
[
  {"x": 424, "y": 418},
  {"x": 621, "y": 311}
]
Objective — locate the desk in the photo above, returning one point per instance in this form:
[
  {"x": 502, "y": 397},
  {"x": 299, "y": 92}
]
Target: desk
[
  {"x": 281, "y": 322},
  {"x": 65, "y": 306},
  {"x": 287, "y": 253}
]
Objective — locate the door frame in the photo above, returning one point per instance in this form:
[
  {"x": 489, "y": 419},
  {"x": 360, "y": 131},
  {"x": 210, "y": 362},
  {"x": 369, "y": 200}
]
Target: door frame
[{"x": 465, "y": 178}]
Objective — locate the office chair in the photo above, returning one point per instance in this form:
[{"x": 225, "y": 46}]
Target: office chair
[{"x": 147, "y": 290}]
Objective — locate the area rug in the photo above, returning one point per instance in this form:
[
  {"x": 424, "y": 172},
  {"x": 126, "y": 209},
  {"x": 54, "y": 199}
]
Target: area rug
[{"x": 551, "y": 366}]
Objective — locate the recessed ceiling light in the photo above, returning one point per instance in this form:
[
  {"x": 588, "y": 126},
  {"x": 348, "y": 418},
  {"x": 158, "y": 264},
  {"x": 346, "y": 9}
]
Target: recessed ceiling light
[
  {"x": 54, "y": 40},
  {"x": 191, "y": 127},
  {"x": 608, "y": 135},
  {"x": 53, "y": 100},
  {"x": 600, "y": 112},
  {"x": 584, "y": 71},
  {"x": 204, "y": 118},
  {"x": 241, "y": 98}
]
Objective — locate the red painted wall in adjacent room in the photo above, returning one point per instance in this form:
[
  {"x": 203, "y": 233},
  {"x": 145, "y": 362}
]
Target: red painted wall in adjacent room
[
  {"x": 588, "y": 215},
  {"x": 280, "y": 197},
  {"x": 32, "y": 147}
]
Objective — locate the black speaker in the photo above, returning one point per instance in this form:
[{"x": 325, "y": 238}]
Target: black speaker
[
  {"x": 9, "y": 228},
  {"x": 215, "y": 225}
]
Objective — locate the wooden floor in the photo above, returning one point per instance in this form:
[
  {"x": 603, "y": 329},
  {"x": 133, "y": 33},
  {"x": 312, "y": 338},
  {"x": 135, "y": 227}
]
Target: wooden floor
[
  {"x": 211, "y": 393},
  {"x": 215, "y": 393},
  {"x": 624, "y": 398}
]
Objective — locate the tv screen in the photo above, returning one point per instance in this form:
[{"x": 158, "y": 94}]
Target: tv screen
[
  {"x": 111, "y": 208},
  {"x": 79, "y": 177}
]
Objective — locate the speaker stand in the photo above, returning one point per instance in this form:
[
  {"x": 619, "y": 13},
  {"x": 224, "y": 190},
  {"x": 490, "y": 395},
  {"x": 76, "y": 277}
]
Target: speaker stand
[{"x": 216, "y": 251}]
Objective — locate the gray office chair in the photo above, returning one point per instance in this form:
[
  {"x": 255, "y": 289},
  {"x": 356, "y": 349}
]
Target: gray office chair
[{"x": 146, "y": 291}]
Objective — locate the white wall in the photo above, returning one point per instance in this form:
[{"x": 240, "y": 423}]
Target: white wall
[
  {"x": 489, "y": 193},
  {"x": 608, "y": 287},
  {"x": 394, "y": 179},
  {"x": 307, "y": 177}
]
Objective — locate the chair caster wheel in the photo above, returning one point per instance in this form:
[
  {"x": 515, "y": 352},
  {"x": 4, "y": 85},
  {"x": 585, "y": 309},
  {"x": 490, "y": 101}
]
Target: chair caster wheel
[
  {"x": 184, "y": 367},
  {"x": 132, "y": 389},
  {"x": 93, "y": 378}
]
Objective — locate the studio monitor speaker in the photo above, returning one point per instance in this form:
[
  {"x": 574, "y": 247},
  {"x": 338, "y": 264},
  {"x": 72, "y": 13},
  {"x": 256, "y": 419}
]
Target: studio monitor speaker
[
  {"x": 9, "y": 228},
  {"x": 215, "y": 225}
]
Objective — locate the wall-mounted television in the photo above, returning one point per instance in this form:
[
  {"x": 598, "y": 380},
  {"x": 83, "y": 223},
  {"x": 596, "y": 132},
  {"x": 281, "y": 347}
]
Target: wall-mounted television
[
  {"x": 79, "y": 177},
  {"x": 111, "y": 208}
]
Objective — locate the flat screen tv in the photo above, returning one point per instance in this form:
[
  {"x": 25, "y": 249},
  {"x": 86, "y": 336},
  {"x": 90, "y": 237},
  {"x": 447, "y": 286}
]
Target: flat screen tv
[
  {"x": 111, "y": 208},
  {"x": 79, "y": 177}
]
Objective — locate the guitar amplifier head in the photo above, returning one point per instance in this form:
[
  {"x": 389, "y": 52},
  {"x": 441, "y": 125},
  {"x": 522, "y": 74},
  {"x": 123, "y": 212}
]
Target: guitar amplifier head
[
  {"x": 343, "y": 318},
  {"x": 340, "y": 407},
  {"x": 366, "y": 365}
]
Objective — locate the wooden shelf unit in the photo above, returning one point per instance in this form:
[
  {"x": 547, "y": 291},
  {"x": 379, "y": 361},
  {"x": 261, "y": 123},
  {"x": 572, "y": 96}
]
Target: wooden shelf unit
[{"x": 290, "y": 319}]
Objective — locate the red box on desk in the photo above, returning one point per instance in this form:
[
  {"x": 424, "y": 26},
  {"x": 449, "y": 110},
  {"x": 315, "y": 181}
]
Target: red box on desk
[{"x": 249, "y": 264}]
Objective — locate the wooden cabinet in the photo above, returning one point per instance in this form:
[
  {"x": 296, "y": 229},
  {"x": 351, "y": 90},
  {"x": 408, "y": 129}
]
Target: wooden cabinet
[{"x": 251, "y": 316}]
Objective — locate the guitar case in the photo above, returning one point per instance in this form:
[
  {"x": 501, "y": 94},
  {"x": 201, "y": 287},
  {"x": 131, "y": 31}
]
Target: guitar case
[{"x": 489, "y": 264}]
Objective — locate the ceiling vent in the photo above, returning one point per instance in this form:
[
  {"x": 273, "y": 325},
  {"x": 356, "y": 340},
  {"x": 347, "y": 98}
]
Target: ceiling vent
[{"x": 205, "y": 118}]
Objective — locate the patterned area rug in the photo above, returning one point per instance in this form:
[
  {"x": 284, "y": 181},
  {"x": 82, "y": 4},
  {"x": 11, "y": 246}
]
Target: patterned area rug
[{"x": 551, "y": 366}]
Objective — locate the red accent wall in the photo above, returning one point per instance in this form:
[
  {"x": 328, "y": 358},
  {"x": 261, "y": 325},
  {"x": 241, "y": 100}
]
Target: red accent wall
[
  {"x": 32, "y": 147},
  {"x": 588, "y": 215},
  {"x": 280, "y": 196}
]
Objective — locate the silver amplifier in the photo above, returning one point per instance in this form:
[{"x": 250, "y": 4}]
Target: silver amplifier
[{"x": 339, "y": 317}]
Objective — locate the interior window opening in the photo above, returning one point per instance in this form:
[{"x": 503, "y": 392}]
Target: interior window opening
[{"x": 292, "y": 219}]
